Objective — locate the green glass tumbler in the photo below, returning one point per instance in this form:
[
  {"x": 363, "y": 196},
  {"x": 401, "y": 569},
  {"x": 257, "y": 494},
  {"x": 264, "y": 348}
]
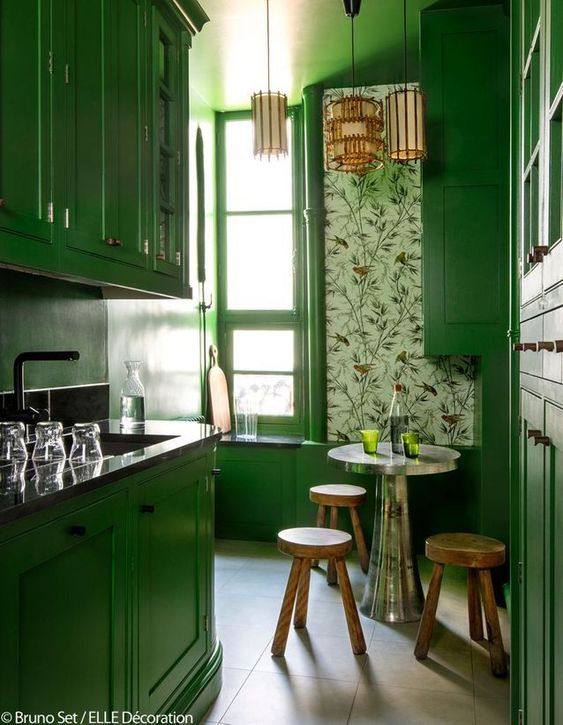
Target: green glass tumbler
[
  {"x": 411, "y": 445},
  {"x": 370, "y": 439}
]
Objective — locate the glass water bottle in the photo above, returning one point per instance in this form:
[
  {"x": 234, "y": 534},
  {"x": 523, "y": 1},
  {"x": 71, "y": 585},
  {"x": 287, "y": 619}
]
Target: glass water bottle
[
  {"x": 398, "y": 419},
  {"x": 132, "y": 398}
]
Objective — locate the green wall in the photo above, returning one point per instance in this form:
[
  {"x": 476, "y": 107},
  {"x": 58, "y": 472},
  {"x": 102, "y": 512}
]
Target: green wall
[
  {"x": 167, "y": 334},
  {"x": 41, "y": 313}
]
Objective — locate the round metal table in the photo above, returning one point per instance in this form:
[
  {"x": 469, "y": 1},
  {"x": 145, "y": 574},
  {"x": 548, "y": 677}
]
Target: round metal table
[{"x": 393, "y": 592}]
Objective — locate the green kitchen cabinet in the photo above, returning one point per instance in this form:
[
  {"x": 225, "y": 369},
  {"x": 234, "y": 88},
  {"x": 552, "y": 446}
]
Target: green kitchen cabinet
[
  {"x": 64, "y": 624},
  {"x": 94, "y": 155},
  {"x": 174, "y": 561},
  {"x": 104, "y": 135},
  {"x": 168, "y": 79},
  {"x": 26, "y": 128}
]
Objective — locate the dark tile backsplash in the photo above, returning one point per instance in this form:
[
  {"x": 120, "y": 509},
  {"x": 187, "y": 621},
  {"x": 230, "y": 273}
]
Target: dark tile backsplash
[{"x": 69, "y": 405}]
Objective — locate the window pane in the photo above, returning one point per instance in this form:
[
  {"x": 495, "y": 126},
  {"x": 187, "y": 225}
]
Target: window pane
[
  {"x": 263, "y": 350},
  {"x": 273, "y": 394},
  {"x": 260, "y": 262},
  {"x": 254, "y": 184}
]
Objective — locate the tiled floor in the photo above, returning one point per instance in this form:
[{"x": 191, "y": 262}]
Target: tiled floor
[{"x": 319, "y": 680}]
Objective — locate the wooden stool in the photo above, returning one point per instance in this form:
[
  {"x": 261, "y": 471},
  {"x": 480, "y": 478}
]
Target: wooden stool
[
  {"x": 305, "y": 545},
  {"x": 479, "y": 554},
  {"x": 338, "y": 496}
]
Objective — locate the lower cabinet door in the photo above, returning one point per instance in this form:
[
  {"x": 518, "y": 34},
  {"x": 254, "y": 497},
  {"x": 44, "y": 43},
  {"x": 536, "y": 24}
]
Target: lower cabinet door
[
  {"x": 173, "y": 571},
  {"x": 533, "y": 599},
  {"x": 63, "y": 622}
]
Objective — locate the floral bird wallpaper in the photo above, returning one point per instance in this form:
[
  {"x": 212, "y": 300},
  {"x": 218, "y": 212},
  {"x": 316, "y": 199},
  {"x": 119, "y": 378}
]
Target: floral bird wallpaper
[{"x": 374, "y": 310}]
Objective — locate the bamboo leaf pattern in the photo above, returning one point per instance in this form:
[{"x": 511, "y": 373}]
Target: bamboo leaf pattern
[{"x": 374, "y": 311}]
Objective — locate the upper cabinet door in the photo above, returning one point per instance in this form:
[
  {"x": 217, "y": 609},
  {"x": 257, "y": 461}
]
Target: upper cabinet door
[
  {"x": 26, "y": 191},
  {"x": 169, "y": 106},
  {"x": 105, "y": 131}
]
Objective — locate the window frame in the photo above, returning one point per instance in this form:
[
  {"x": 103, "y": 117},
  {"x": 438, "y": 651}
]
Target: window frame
[{"x": 292, "y": 319}]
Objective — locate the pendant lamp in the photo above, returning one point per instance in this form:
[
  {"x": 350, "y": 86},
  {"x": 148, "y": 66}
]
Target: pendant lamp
[
  {"x": 353, "y": 124},
  {"x": 269, "y": 114},
  {"x": 405, "y": 117}
]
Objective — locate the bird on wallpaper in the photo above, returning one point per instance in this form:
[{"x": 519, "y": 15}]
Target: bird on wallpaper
[
  {"x": 361, "y": 271},
  {"x": 428, "y": 389},
  {"x": 342, "y": 436},
  {"x": 342, "y": 339},
  {"x": 451, "y": 419},
  {"x": 341, "y": 242},
  {"x": 402, "y": 356},
  {"x": 401, "y": 258},
  {"x": 363, "y": 369}
]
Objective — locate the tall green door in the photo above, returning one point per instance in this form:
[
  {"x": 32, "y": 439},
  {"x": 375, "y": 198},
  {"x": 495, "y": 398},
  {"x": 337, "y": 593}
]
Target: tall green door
[
  {"x": 26, "y": 120},
  {"x": 69, "y": 642}
]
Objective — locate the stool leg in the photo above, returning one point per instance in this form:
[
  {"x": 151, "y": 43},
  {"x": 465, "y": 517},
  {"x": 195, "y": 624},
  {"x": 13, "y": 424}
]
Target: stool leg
[
  {"x": 331, "y": 569},
  {"x": 496, "y": 650},
  {"x": 300, "y": 617},
  {"x": 474, "y": 606},
  {"x": 352, "y": 619},
  {"x": 360, "y": 541},
  {"x": 321, "y": 518},
  {"x": 282, "y": 629},
  {"x": 429, "y": 614}
]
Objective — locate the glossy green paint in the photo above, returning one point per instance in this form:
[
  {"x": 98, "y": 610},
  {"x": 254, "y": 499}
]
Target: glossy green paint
[
  {"x": 129, "y": 625},
  {"x": 26, "y": 183},
  {"x": 88, "y": 143},
  {"x": 315, "y": 255},
  {"x": 41, "y": 313},
  {"x": 465, "y": 215}
]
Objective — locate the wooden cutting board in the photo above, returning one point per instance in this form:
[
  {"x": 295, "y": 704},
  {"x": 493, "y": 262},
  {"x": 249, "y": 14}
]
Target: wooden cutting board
[{"x": 217, "y": 393}]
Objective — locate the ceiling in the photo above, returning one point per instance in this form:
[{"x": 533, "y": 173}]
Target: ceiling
[{"x": 310, "y": 43}]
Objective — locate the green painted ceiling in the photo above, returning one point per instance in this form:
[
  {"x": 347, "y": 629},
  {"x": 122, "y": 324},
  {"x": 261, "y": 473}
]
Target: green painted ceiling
[{"x": 310, "y": 43}]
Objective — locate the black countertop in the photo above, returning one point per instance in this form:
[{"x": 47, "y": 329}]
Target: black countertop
[{"x": 34, "y": 487}]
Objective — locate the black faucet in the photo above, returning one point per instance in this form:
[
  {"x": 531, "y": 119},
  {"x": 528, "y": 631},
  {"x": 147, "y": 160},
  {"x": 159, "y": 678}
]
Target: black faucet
[{"x": 21, "y": 412}]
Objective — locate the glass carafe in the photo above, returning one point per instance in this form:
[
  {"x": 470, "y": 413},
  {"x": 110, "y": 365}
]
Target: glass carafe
[{"x": 132, "y": 406}]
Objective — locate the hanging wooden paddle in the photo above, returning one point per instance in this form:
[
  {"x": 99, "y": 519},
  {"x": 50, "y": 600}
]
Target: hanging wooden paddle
[{"x": 217, "y": 393}]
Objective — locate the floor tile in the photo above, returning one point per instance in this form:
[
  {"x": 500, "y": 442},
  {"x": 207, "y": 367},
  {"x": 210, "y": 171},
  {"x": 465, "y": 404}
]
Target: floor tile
[
  {"x": 492, "y": 711},
  {"x": 393, "y": 663},
  {"x": 256, "y": 583},
  {"x": 232, "y": 682},
  {"x": 241, "y": 610},
  {"x": 310, "y": 655},
  {"x": 390, "y": 705},
  {"x": 486, "y": 684},
  {"x": 243, "y": 645},
  {"x": 273, "y": 699}
]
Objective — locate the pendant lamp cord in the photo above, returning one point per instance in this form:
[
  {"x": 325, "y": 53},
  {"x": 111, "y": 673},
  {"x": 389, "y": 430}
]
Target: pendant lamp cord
[
  {"x": 405, "y": 38},
  {"x": 353, "y": 58},
  {"x": 268, "y": 39}
]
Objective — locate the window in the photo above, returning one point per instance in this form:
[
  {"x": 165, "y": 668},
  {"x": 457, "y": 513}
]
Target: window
[{"x": 260, "y": 307}]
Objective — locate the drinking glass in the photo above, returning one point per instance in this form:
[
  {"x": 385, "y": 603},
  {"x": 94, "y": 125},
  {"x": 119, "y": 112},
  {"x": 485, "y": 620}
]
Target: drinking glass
[
  {"x": 12, "y": 477},
  {"x": 411, "y": 444},
  {"x": 246, "y": 419},
  {"x": 49, "y": 475},
  {"x": 48, "y": 442},
  {"x": 85, "y": 443},
  {"x": 370, "y": 439},
  {"x": 12, "y": 442}
]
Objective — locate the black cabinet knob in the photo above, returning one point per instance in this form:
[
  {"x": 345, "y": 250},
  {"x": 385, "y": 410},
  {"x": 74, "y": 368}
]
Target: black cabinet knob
[
  {"x": 215, "y": 471},
  {"x": 77, "y": 530},
  {"x": 147, "y": 508}
]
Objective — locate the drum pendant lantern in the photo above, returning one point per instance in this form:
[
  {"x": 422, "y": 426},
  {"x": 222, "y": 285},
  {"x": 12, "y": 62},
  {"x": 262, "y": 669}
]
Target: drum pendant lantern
[
  {"x": 269, "y": 114},
  {"x": 405, "y": 117},
  {"x": 353, "y": 124}
]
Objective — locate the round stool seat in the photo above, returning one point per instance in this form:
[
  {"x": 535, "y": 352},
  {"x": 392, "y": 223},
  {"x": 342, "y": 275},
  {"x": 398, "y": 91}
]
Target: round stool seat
[
  {"x": 314, "y": 543},
  {"x": 338, "y": 494},
  {"x": 469, "y": 550}
]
